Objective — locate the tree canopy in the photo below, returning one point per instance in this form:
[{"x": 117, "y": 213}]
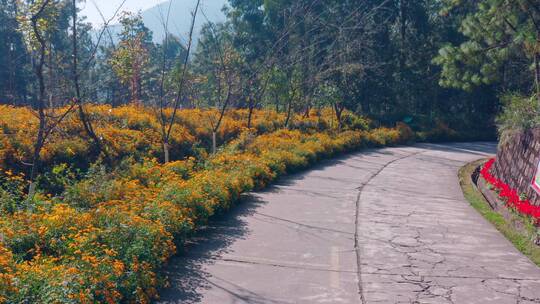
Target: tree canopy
[{"x": 426, "y": 62}]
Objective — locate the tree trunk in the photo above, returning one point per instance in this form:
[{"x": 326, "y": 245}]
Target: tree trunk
[
  {"x": 40, "y": 140},
  {"x": 89, "y": 129},
  {"x": 308, "y": 109},
  {"x": 403, "y": 33},
  {"x": 339, "y": 112},
  {"x": 168, "y": 126},
  {"x": 214, "y": 143},
  {"x": 36, "y": 160},
  {"x": 250, "y": 114},
  {"x": 166, "y": 152},
  {"x": 537, "y": 75},
  {"x": 51, "y": 79},
  {"x": 87, "y": 124},
  {"x": 289, "y": 111},
  {"x": 134, "y": 98}
]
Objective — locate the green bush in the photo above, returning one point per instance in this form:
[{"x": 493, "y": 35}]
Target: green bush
[{"x": 519, "y": 113}]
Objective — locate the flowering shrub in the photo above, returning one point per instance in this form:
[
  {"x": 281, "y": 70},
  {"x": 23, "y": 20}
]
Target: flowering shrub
[
  {"x": 134, "y": 131},
  {"x": 510, "y": 196},
  {"x": 12, "y": 187},
  {"x": 107, "y": 235}
]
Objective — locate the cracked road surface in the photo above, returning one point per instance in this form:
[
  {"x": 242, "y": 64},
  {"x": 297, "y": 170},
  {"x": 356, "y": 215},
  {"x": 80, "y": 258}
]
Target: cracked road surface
[{"x": 380, "y": 226}]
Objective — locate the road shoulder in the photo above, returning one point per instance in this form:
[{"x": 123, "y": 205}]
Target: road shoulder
[{"x": 514, "y": 227}]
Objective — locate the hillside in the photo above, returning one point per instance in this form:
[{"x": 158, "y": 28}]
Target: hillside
[{"x": 179, "y": 18}]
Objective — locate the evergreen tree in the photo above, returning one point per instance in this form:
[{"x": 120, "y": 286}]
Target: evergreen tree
[
  {"x": 130, "y": 60},
  {"x": 502, "y": 36},
  {"x": 14, "y": 60}
]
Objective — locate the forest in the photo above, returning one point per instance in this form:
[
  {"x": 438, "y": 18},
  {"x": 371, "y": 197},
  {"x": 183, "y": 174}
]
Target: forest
[
  {"x": 114, "y": 149},
  {"x": 384, "y": 59}
]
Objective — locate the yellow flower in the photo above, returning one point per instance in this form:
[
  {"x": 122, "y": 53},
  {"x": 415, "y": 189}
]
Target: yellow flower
[{"x": 118, "y": 267}]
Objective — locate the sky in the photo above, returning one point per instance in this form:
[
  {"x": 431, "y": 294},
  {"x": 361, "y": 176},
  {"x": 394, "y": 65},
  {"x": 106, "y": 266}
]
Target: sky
[{"x": 108, "y": 7}]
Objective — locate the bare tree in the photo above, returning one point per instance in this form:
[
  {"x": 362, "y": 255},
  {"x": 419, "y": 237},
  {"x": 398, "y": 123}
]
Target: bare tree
[
  {"x": 85, "y": 121},
  {"x": 167, "y": 123},
  {"x": 347, "y": 52},
  {"x": 48, "y": 120},
  {"x": 224, "y": 82},
  {"x": 78, "y": 100},
  {"x": 255, "y": 84}
]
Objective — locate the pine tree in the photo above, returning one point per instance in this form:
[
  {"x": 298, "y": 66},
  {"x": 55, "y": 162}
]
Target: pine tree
[{"x": 499, "y": 34}]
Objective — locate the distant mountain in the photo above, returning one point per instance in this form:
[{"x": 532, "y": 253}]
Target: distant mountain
[{"x": 179, "y": 18}]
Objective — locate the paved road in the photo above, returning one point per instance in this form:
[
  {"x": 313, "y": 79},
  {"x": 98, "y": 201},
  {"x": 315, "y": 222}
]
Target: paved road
[{"x": 382, "y": 226}]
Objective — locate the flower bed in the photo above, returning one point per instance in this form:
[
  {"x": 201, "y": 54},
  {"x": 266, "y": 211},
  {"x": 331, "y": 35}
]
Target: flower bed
[
  {"x": 106, "y": 237},
  {"x": 510, "y": 196},
  {"x": 134, "y": 132}
]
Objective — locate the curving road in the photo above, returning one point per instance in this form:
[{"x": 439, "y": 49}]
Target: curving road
[{"x": 381, "y": 226}]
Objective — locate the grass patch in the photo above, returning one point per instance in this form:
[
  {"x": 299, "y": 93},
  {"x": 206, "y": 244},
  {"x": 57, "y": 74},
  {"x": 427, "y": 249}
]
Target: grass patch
[{"x": 523, "y": 240}]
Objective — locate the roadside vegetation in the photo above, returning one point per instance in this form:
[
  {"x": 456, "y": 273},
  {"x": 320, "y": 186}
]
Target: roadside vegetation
[
  {"x": 520, "y": 113},
  {"x": 500, "y": 49},
  {"x": 523, "y": 238},
  {"x": 115, "y": 148},
  {"x": 100, "y": 232}
]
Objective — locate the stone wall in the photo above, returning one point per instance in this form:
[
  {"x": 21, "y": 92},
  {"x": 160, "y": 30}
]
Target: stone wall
[{"x": 517, "y": 160}]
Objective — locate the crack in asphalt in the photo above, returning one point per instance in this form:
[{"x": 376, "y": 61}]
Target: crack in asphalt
[
  {"x": 356, "y": 221},
  {"x": 426, "y": 288},
  {"x": 425, "y": 271},
  {"x": 415, "y": 240},
  {"x": 303, "y": 225},
  {"x": 289, "y": 266},
  {"x": 407, "y": 278}
]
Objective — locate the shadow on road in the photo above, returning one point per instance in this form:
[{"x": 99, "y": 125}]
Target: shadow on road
[
  {"x": 185, "y": 271},
  {"x": 478, "y": 148}
]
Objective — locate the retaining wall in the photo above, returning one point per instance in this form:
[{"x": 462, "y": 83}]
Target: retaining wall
[{"x": 517, "y": 160}]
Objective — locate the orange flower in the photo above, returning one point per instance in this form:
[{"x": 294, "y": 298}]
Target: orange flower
[{"x": 118, "y": 267}]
